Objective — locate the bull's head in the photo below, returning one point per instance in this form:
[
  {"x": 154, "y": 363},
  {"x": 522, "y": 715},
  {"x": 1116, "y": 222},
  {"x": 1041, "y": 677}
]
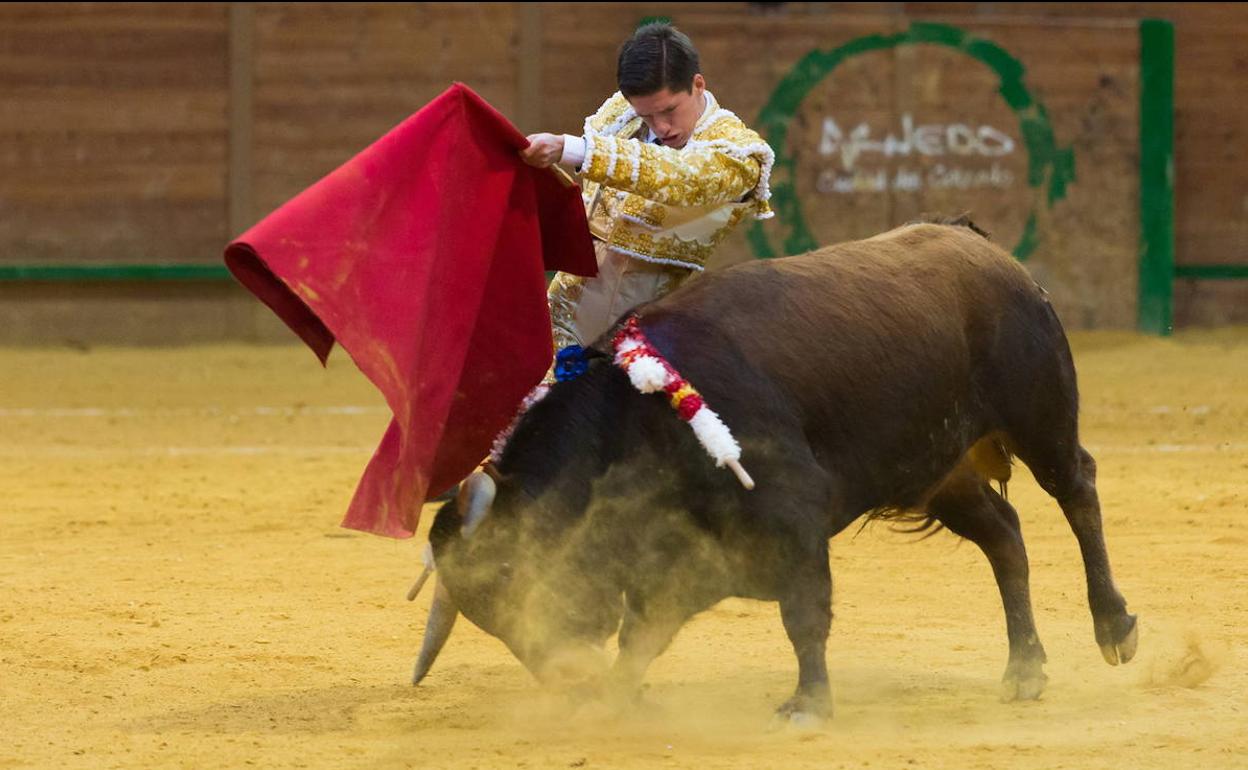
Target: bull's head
[{"x": 501, "y": 565}]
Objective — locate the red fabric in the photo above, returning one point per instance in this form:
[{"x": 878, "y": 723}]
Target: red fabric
[{"x": 424, "y": 257}]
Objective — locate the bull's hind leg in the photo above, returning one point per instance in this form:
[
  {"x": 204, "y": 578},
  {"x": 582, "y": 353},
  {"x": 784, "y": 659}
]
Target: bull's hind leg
[
  {"x": 968, "y": 507},
  {"x": 1073, "y": 484},
  {"x": 1040, "y": 408}
]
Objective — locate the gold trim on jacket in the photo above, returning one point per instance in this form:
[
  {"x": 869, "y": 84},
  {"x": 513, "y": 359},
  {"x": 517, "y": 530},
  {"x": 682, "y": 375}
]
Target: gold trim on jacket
[{"x": 666, "y": 205}]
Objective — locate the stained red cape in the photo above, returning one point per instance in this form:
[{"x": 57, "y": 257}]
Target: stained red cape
[{"x": 424, "y": 256}]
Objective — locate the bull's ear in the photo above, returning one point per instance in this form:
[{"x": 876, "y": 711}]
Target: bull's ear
[{"x": 476, "y": 495}]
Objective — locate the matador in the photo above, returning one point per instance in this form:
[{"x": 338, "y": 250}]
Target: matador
[{"x": 666, "y": 174}]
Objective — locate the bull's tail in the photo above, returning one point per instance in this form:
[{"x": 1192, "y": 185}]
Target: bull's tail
[
  {"x": 906, "y": 521},
  {"x": 990, "y": 459}
]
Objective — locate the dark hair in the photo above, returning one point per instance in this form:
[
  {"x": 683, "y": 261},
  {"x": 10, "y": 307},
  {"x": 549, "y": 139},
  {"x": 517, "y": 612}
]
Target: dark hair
[{"x": 657, "y": 56}]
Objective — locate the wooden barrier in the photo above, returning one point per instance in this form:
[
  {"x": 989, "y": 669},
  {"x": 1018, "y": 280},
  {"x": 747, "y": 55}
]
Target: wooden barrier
[{"x": 137, "y": 136}]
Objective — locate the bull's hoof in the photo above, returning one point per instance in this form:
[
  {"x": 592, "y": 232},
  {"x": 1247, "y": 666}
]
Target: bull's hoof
[
  {"x": 806, "y": 712},
  {"x": 1023, "y": 682},
  {"x": 1119, "y": 640}
]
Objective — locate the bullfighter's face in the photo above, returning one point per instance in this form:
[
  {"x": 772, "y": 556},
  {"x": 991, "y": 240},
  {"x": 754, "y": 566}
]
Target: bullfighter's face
[{"x": 672, "y": 115}]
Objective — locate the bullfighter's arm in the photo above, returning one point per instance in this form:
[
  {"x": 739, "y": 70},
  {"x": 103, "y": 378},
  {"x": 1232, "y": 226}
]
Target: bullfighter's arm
[{"x": 703, "y": 174}]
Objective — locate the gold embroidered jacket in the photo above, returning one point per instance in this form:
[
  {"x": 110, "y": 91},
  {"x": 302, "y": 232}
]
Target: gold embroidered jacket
[{"x": 666, "y": 205}]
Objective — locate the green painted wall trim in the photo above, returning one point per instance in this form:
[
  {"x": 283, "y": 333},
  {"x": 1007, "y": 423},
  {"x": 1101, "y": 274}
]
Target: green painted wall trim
[
  {"x": 1050, "y": 170},
  {"x": 1156, "y": 300},
  {"x": 653, "y": 20},
  {"x": 1212, "y": 272},
  {"x": 1029, "y": 241},
  {"x": 114, "y": 273}
]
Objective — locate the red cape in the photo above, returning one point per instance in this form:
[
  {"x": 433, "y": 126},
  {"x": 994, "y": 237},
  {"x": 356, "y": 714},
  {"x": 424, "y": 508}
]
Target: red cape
[{"x": 424, "y": 256}]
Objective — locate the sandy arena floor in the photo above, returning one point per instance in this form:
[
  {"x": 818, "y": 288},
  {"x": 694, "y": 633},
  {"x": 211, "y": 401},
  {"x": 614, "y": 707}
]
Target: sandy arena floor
[{"x": 177, "y": 594}]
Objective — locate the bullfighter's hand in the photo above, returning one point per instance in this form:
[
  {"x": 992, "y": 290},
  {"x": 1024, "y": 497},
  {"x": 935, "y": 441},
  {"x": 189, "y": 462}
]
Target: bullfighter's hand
[{"x": 544, "y": 150}]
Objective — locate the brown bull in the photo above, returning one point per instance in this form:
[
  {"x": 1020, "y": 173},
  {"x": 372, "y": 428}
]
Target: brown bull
[{"x": 893, "y": 377}]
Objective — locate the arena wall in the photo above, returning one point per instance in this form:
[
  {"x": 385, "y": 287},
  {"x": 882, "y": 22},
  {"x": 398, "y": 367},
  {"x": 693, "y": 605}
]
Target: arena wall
[{"x": 141, "y": 136}]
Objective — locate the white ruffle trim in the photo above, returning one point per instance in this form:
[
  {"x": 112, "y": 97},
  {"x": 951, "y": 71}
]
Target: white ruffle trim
[
  {"x": 655, "y": 260},
  {"x": 647, "y": 374},
  {"x": 500, "y": 442},
  {"x": 613, "y": 157},
  {"x": 614, "y": 127},
  {"x": 589, "y": 151}
]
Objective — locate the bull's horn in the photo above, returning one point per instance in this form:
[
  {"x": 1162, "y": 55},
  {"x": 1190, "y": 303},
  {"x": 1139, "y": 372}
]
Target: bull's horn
[
  {"x": 442, "y": 614},
  {"x": 476, "y": 495}
]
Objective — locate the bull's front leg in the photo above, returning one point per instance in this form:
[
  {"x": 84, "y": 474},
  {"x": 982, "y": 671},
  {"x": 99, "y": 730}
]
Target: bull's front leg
[
  {"x": 806, "y": 610},
  {"x": 647, "y": 630}
]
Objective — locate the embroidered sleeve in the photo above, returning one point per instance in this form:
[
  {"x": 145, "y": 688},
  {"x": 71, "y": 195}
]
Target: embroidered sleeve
[
  {"x": 704, "y": 173},
  {"x": 614, "y": 111}
]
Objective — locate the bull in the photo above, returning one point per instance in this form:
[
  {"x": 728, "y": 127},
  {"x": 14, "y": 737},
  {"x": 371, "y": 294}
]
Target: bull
[{"x": 895, "y": 377}]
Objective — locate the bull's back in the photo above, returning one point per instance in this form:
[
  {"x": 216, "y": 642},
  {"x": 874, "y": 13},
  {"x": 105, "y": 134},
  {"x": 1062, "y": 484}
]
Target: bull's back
[
  {"x": 875, "y": 309},
  {"x": 887, "y": 348}
]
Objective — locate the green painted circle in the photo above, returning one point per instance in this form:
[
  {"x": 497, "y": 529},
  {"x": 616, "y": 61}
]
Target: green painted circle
[{"x": 1046, "y": 161}]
